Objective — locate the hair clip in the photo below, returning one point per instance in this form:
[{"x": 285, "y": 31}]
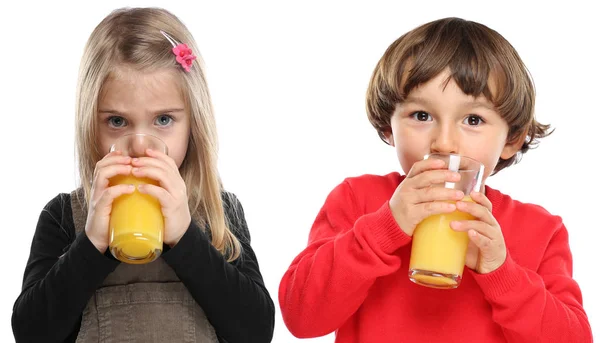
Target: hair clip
[{"x": 183, "y": 54}]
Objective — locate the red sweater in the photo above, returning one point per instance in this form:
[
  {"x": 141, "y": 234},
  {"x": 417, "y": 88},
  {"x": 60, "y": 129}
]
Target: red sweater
[{"x": 353, "y": 278}]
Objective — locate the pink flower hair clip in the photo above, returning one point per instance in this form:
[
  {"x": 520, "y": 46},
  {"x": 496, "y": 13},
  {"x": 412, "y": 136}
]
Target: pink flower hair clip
[{"x": 183, "y": 54}]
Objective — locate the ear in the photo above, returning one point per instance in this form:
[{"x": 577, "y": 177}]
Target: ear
[
  {"x": 388, "y": 136},
  {"x": 513, "y": 146}
]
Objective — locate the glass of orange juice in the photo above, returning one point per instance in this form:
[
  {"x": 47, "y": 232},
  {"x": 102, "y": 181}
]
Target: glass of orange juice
[
  {"x": 438, "y": 253},
  {"x": 136, "y": 221}
]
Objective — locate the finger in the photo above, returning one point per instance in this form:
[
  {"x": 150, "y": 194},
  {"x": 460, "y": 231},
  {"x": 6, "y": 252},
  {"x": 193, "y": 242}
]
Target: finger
[
  {"x": 150, "y": 162},
  {"x": 477, "y": 226},
  {"x": 162, "y": 156},
  {"x": 110, "y": 159},
  {"x": 433, "y": 177},
  {"x": 436, "y": 207},
  {"x": 430, "y": 194},
  {"x": 476, "y": 210},
  {"x": 164, "y": 177},
  {"x": 482, "y": 242},
  {"x": 110, "y": 194},
  {"x": 115, "y": 157},
  {"x": 161, "y": 194},
  {"x": 103, "y": 175},
  {"x": 472, "y": 255},
  {"x": 424, "y": 165},
  {"x": 481, "y": 199}
]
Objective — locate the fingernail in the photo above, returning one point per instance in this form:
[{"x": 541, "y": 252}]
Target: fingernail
[
  {"x": 459, "y": 194},
  {"x": 135, "y": 160},
  {"x": 131, "y": 187},
  {"x": 135, "y": 170}
]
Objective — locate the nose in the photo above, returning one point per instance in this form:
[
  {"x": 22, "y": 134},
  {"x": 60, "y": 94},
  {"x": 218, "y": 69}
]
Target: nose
[
  {"x": 138, "y": 146},
  {"x": 444, "y": 140}
]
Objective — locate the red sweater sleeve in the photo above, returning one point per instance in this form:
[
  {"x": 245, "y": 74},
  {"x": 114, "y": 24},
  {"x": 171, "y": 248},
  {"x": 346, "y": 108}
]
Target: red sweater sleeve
[
  {"x": 347, "y": 251},
  {"x": 538, "y": 306}
]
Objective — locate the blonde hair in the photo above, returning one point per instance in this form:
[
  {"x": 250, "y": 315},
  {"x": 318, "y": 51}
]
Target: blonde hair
[
  {"x": 131, "y": 37},
  {"x": 476, "y": 56}
]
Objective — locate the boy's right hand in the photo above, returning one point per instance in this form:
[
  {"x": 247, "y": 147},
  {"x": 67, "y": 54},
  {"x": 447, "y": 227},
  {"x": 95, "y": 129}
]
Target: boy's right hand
[
  {"x": 414, "y": 199},
  {"x": 102, "y": 196}
]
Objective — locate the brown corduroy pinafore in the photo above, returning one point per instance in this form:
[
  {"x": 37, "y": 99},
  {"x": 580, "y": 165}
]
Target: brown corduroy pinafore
[{"x": 140, "y": 303}]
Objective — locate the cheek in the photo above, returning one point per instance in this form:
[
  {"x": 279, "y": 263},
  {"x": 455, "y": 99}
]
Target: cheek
[
  {"x": 490, "y": 165},
  {"x": 178, "y": 150},
  {"x": 104, "y": 142},
  {"x": 409, "y": 152},
  {"x": 410, "y": 146},
  {"x": 408, "y": 157},
  {"x": 490, "y": 159}
]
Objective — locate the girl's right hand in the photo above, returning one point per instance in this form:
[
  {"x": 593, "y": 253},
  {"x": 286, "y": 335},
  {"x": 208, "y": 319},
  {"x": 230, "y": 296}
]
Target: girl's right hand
[
  {"x": 102, "y": 196},
  {"x": 414, "y": 199}
]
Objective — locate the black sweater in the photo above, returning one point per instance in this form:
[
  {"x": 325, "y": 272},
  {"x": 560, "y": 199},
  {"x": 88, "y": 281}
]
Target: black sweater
[{"x": 64, "y": 270}]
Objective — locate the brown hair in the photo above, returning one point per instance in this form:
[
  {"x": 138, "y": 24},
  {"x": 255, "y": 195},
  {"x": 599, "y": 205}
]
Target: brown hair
[
  {"x": 131, "y": 37},
  {"x": 475, "y": 55}
]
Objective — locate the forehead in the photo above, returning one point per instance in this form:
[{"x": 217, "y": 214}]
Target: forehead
[
  {"x": 487, "y": 85},
  {"x": 126, "y": 87}
]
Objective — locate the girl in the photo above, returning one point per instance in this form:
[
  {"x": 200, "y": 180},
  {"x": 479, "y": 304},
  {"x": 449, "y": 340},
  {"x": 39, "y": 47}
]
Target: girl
[{"x": 139, "y": 74}]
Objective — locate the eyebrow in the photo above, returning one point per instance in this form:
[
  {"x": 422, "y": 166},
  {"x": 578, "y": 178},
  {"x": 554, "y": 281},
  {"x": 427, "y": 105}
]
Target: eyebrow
[
  {"x": 161, "y": 111},
  {"x": 411, "y": 99},
  {"x": 425, "y": 102}
]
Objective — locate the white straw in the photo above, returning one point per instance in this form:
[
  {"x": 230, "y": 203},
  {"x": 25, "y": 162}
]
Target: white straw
[{"x": 453, "y": 165}]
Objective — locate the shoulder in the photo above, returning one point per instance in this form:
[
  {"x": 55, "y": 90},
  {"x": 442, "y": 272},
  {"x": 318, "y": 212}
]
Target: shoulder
[
  {"x": 505, "y": 203},
  {"x": 59, "y": 200},
  {"x": 234, "y": 216},
  {"x": 231, "y": 204},
  {"x": 365, "y": 193},
  {"x": 515, "y": 212},
  {"x": 58, "y": 206},
  {"x": 372, "y": 181},
  {"x": 56, "y": 218},
  {"x": 531, "y": 233}
]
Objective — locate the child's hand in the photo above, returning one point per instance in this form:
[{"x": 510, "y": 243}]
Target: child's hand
[
  {"x": 414, "y": 200},
  {"x": 172, "y": 193},
  {"x": 102, "y": 196},
  {"x": 487, "y": 250}
]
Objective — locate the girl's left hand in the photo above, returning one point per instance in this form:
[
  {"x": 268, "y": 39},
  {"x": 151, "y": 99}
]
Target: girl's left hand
[
  {"x": 487, "y": 250},
  {"x": 172, "y": 192}
]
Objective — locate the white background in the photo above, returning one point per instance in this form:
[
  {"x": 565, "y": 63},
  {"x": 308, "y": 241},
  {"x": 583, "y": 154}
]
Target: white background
[{"x": 288, "y": 83}]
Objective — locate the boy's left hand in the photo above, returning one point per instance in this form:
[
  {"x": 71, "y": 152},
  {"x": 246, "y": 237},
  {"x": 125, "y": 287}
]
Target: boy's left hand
[
  {"x": 487, "y": 250},
  {"x": 172, "y": 192}
]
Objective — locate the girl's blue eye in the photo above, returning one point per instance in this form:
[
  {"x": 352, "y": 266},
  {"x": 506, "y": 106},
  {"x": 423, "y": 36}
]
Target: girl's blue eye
[
  {"x": 163, "y": 120},
  {"x": 116, "y": 121}
]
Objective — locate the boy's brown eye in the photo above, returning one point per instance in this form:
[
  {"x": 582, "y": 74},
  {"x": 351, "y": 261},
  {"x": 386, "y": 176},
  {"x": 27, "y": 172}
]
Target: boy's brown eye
[
  {"x": 421, "y": 116},
  {"x": 474, "y": 120}
]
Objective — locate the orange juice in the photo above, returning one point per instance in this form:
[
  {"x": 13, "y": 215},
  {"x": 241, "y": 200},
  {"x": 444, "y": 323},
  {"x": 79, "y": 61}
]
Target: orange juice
[
  {"x": 136, "y": 224},
  {"x": 438, "y": 252}
]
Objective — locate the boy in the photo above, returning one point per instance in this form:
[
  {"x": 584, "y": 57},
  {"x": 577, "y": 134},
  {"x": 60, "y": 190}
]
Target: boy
[{"x": 449, "y": 86}]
